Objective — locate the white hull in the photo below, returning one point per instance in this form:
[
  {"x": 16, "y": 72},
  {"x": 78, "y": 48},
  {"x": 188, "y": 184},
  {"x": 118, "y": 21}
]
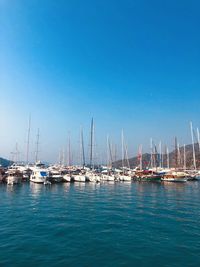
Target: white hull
[
  {"x": 56, "y": 179},
  {"x": 39, "y": 176},
  {"x": 13, "y": 180},
  {"x": 38, "y": 180},
  {"x": 125, "y": 178},
  {"x": 107, "y": 178},
  {"x": 67, "y": 178},
  {"x": 92, "y": 178},
  {"x": 80, "y": 178}
]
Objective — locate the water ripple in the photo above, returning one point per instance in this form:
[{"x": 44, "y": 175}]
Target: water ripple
[{"x": 110, "y": 224}]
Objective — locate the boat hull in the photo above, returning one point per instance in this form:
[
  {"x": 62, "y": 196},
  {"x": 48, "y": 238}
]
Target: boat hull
[
  {"x": 175, "y": 180},
  {"x": 14, "y": 180},
  {"x": 67, "y": 178},
  {"x": 80, "y": 178}
]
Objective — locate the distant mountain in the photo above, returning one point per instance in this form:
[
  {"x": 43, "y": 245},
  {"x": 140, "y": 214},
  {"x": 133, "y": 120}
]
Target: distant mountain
[
  {"x": 174, "y": 159},
  {"x": 5, "y": 162}
]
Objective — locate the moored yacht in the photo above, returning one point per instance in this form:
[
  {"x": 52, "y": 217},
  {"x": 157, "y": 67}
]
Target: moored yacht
[
  {"x": 39, "y": 175},
  {"x": 106, "y": 177},
  {"x": 125, "y": 178},
  {"x": 67, "y": 178},
  {"x": 56, "y": 176},
  {"x": 92, "y": 177},
  {"x": 79, "y": 178},
  {"x": 175, "y": 176},
  {"x": 14, "y": 177}
]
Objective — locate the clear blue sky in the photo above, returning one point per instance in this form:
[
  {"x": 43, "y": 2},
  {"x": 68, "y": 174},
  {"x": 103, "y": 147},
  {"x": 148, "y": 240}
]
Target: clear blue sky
[{"x": 131, "y": 64}]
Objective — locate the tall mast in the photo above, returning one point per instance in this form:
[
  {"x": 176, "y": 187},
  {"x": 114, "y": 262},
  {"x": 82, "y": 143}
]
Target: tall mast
[
  {"x": 193, "y": 149},
  {"x": 82, "y": 149},
  {"x": 141, "y": 157},
  {"x": 63, "y": 156},
  {"x": 156, "y": 156},
  {"x": 28, "y": 140},
  {"x": 127, "y": 159},
  {"x": 122, "y": 140},
  {"x": 69, "y": 152},
  {"x": 110, "y": 152},
  {"x": 91, "y": 143},
  {"x": 37, "y": 145},
  {"x": 60, "y": 157},
  {"x": 167, "y": 157},
  {"x": 198, "y": 137},
  {"x": 184, "y": 158},
  {"x": 151, "y": 148},
  {"x": 17, "y": 153},
  {"x": 160, "y": 157},
  {"x": 179, "y": 154},
  {"x": 176, "y": 153}
]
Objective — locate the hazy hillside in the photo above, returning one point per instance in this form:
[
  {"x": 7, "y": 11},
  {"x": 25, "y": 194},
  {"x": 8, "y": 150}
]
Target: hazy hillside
[{"x": 5, "y": 162}]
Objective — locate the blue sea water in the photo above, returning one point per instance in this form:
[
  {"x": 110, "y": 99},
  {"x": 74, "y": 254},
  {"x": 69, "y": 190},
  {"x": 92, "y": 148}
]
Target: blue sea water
[{"x": 119, "y": 224}]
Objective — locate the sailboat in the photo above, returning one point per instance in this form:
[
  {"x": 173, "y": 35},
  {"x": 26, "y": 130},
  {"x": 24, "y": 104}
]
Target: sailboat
[
  {"x": 124, "y": 177},
  {"x": 176, "y": 175}
]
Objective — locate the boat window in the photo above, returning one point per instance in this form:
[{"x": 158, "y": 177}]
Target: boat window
[{"x": 43, "y": 173}]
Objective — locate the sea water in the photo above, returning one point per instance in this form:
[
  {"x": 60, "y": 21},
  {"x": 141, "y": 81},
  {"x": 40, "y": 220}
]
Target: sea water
[{"x": 109, "y": 224}]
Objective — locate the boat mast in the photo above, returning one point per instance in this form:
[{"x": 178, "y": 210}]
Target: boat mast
[
  {"x": 17, "y": 153},
  {"x": 179, "y": 154},
  {"x": 127, "y": 159},
  {"x": 82, "y": 149},
  {"x": 110, "y": 152},
  {"x": 91, "y": 143},
  {"x": 160, "y": 157},
  {"x": 69, "y": 152},
  {"x": 63, "y": 156},
  {"x": 198, "y": 137},
  {"x": 60, "y": 157},
  {"x": 184, "y": 158},
  {"x": 151, "y": 148},
  {"x": 28, "y": 140},
  {"x": 193, "y": 148},
  {"x": 167, "y": 157},
  {"x": 37, "y": 145},
  {"x": 122, "y": 140},
  {"x": 114, "y": 149},
  {"x": 140, "y": 156},
  {"x": 176, "y": 154}
]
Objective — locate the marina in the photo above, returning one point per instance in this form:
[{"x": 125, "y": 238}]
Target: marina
[{"x": 99, "y": 133}]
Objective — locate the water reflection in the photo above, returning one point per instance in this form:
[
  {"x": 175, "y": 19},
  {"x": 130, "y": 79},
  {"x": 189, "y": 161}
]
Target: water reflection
[
  {"x": 13, "y": 188},
  {"x": 168, "y": 186},
  {"x": 37, "y": 189}
]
